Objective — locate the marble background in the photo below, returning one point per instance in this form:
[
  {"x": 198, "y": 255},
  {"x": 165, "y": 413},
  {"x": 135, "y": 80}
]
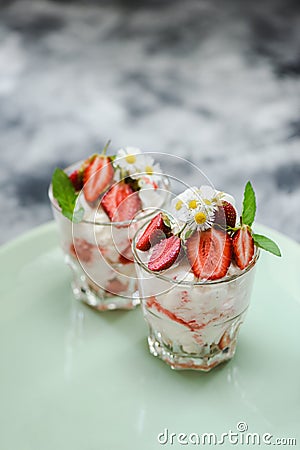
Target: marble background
[{"x": 215, "y": 82}]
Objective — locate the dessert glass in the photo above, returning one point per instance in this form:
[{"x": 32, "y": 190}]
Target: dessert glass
[
  {"x": 193, "y": 324},
  {"x": 99, "y": 253}
]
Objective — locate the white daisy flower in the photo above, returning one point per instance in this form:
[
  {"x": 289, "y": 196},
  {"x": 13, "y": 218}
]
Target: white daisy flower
[
  {"x": 127, "y": 151},
  {"x": 131, "y": 161},
  {"x": 226, "y": 197},
  {"x": 193, "y": 210},
  {"x": 213, "y": 197},
  {"x": 146, "y": 167},
  {"x": 210, "y": 197},
  {"x": 184, "y": 203},
  {"x": 201, "y": 218},
  {"x": 126, "y": 159}
]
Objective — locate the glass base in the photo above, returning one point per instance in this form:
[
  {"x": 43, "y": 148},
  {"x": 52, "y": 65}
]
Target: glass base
[
  {"x": 87, "y": 295},
  {"x": 85, "y": 290},
  {"x": 207, "y": 357}
]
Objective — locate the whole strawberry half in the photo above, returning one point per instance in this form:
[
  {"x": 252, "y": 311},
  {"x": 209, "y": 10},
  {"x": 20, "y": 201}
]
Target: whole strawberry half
[
  {"x": 97, "y": 177},
  {"x": 156, "y": 230},
  {"x": 76, "y": 179},
  {"x": 243, "y": 247},
  {"x": 164, "y": 254},
  {"x": 121, "y": 202},
  {"x": 225, "y": 215},
  {"x": 209, "y": 253}
]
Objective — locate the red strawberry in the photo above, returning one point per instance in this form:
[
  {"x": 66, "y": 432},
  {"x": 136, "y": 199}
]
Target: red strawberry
[
  {"x": 116, "y": 286},
  {"x": 164, "y": 254},
  {"x": 76, "y": 179},
  {"x": 97, "y": 177},
  {"x": 150, "y": 234},
  {"x": 121, "y": 202},
  {"x": 225, "y": 341},
  {"x": 82, "y": 250},
  {"x": 123, "y": 260},
  {"x": 243, "y": 247},
  {"x": 209, "y": 253},
  {"x": 225, "y": 215},
  {"x": 125, "y": 256}
]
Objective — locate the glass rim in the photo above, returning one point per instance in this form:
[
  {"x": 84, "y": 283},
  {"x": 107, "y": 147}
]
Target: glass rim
[
  {"x": 183, "y": 282},
  {"x": 55, "y": 205}
]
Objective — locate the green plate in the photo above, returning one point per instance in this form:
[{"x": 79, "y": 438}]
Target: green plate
[{"x": 72, "y": 378}]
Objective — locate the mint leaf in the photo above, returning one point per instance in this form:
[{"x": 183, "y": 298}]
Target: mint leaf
[
  {"x": 249, "y": 205},
  {"x": 78, "y": 215},
  {"x": 63, "y": 189},
  {"x": 266, "y": 244},
  {"x": 75, "y": 216},
  {"x": 64, "y": 192}
]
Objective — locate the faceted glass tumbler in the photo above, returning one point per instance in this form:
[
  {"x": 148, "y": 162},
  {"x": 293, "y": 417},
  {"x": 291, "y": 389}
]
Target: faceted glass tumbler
[
  {"x": 193, "y": 325},
  {"x": 100, "y": 256}
]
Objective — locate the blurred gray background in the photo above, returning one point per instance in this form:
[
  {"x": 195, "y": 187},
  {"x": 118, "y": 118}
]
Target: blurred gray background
[{"x": 215, "y": 82}]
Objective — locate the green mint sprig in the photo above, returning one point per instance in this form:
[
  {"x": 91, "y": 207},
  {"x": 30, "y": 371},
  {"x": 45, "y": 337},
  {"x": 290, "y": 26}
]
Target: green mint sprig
[
  {"x": 249, "y": 205},
  {"x": 266, "y": 244},
  {"x": 247, "y": 219},
  {"x": 64, "y": 192}
]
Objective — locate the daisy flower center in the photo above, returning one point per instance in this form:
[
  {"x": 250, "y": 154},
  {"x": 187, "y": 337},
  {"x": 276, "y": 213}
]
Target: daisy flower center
[
  {"x": 207, "y": 202},
  {"x": 193, "y": 204},
  {"x": 178, "y": 205},
  {"x": 200, "y": 218},
  {"x": 131, "y": 159},
  {"x": 149, "y": 170}
]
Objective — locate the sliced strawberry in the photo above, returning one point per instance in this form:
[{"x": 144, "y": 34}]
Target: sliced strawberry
[
  {"x": 82, "y": 250},
  {"x": 123, "y": 260},
  {"x": 209, "y": 253},
  {"x": 225, "y": 341},
  {"x": 153, "y": 303},
  {"x": 225, "y": 215},
  {"x": 116, "y": 286},
  {"x": 121, "y": 202},
  {"x": 125, "y": 256},
  {"x": 156, "y": 229},
  {"x": 164, "y": 254},
  {"x": 76, "y": 179},
  {"x": 97, "y": 177},
  {"x": 243, "y": 247}
]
